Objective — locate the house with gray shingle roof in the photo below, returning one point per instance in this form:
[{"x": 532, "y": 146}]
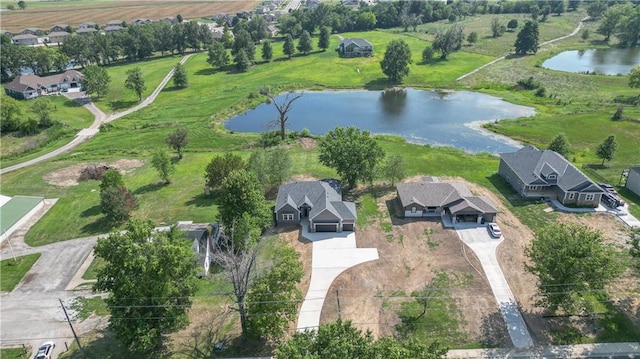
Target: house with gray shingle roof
[
  {"x": 25, "y": 39},
  {"x": 86, "y": 30},
  {"x": 431, "y": 198},
  {"x": 24, "y": 87},
  {"x": 633, "y": 180},
  {"x": 59, "y": 28},
  {"x": 535, "y": 173},
  {"x": 57, "y": 36},
  {"x": 319, "y": 202},
  {"x": 32, "y": 31},
  {"x": 355, "y": 48}
]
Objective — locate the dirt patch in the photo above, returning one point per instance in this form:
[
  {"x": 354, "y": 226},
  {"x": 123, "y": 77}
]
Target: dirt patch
[
  {"x": 308, "y": 143},
  {"x": 69, "y": 176},
  {"x": 303, "y": 177}
]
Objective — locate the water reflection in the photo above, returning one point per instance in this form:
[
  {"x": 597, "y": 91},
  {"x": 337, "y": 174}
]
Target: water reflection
[{"x": 610, "y": 61}]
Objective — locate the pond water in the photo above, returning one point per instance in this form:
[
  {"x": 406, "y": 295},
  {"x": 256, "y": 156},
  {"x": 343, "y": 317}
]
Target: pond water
[
  {"x": 423, "y": 117},
  {"x": 601, "y": 61}
]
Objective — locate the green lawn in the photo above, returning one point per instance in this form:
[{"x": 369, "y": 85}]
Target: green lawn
[
  {"x": 14, "y": 353},
  {"x": 91, "y": 272},
  {"x": 13, "y": 271}
]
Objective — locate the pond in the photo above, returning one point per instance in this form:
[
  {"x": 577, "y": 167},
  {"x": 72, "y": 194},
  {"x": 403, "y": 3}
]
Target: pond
[
  {"x": 610, "y": 61},
  {"x": 423, "y": 117}
]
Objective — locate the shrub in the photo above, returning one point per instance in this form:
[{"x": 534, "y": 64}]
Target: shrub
[
  {"x": 541, "y": 92},
  {"x": 529, "y": 83},
  {"x": 29, "y": 127},
  {"x": 617, "y": 116},
  {"x": 270, "y": 139},
  {"x": 305, "y": 132},
  {"x": 93, "y": 172},
  {"x": 427, "y": 54},
  {"x": 473, "y": 37},
  {"x": 11, "y": 7},
  {"x": 453, "y": 18}
]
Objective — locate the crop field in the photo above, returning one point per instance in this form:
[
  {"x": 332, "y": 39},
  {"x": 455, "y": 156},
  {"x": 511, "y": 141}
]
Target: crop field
[{"x": 46, "y": 14}]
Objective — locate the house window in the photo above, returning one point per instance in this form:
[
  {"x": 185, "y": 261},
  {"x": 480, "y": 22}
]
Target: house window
[
  {"x": 590, "y": 197},
  {"x": 572, "y": 195},
  {"x": 534, "y": 188},
  {"x": 413, "y": 209},
  {"x": 552, "y": 177},
  {"x": 287, "y": 217}
]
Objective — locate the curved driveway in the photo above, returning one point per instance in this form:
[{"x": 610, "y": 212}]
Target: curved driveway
[{"x": 100, "y": 118}]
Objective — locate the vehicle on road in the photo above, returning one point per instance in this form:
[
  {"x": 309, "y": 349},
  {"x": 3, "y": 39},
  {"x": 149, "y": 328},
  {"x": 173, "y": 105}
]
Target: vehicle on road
[
  {"x": 494, "y": 230},
  {"x": 45, "y": 350}
]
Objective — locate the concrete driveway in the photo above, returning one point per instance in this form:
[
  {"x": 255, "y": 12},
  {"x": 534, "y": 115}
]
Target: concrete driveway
[
  {"x": 484, "y": 246},
  {"x": 333, "y": 253}
]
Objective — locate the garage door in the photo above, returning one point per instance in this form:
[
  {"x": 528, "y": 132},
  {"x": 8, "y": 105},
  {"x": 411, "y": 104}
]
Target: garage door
[
  {"x": 347, "y": 227},
  {"x": 326, "y": 227}
]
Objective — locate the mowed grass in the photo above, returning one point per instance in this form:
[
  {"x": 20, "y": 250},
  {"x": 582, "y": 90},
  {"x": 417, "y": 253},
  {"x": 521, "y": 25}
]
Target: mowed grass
[
  {"x": 71, "y": 115},
  {"x": 13, "y": 270},
  {"x": 14, "y": 353}
]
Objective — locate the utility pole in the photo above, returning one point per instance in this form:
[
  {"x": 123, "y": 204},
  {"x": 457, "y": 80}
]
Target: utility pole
[{"x": 71, "y": 325}]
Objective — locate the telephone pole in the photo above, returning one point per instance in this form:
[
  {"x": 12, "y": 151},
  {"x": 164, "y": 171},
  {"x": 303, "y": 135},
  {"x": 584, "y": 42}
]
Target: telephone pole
[{"x": 71, "y": 325}]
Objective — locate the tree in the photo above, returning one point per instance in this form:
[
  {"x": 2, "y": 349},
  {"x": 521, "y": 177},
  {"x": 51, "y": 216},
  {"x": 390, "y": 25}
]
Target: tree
[
  {"x": 448, "y": 41},
  {"x": 220, "y": 166},
  {"x": 527, "y": 40},
  {"x": 596, "y": 9},
  {"x": 96, "y": 80},
  {"x": 304, "y": 43},
  {"x": 22, "y": 4},
  {"x": 43, "y": 108},
  {"x": 610, "y": 20},
  {"x": 433, "y": 290},
  {"x": 288, "y": 48},
  {"x": 365, "y": 21},
  {"x": 354, "y": 154},
  {"x": 178, "y": 140},
  {"x": 135, "y": 82},
  {"x": 585, "y": 34},
  {"x": 267, "y": 51},
  {"x": 241, "y": 194},
  {"x": 559, "y": 7},
  {"x": 323, "y": 40},
  {"x": 472, "y": 38},
  {"x": 283, "y": 111},
  {"x": 628, "y": 31},
  {"x": 607, "y": 149},
  {"x": 242, "y": 61},
  {"x": 512, "y": 24},
  {"x": 427, "y": 54},
  {"x": 162, "y": 163},
  {"x": 111, "y": 178},
  {"x": 117, "y": 203},
  {"x": 10, "y": 114},
  {"x": 243, "y": 41},
  {"x": 573, "y": 4},
  {"x": 273, "y": 299},
  {"x": 496, "y": 27},
  {"x": 218, "y": 56},
  {"x": 394, "y": 169},
  {"x": 279, "y": 164},
  {"x": 634, "y": 77},
  {"x": 343, "y": 340},
  {"x": 397, "y": 58},
  {"x": 180, "y": 79},
  {"x": 150, "y": 277},
  {"x": 570, "y": 260},
  {"x": 560, "y": 144},
  {"x": 634, "y": 245}
]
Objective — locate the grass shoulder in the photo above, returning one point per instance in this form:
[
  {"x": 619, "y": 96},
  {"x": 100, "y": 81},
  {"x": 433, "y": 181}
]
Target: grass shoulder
[{"x": 14, "y": 270}]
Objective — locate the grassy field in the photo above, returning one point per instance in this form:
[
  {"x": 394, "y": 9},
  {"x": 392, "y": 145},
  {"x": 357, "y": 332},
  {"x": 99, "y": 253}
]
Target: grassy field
[
  {"x": 44, "y": 14},
  {"x": 13, "y": 353},
  {"x": 13, "y": 271}
]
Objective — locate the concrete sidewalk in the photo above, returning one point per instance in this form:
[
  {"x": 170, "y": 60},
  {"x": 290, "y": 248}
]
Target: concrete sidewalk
[
  {"x": 598, "y": 350},
  {"x": 621, "y": 212},
  {"x": 333, "y": 253}
]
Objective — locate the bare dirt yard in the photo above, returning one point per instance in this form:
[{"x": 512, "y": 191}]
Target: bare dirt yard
[
  {"x": 69, "y": 176},
  {"x": 101, "y": 12}
]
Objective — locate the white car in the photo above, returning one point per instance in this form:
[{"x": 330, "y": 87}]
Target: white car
[
  {"x": 45, "y": 350},
  {"x": 494, "y": 230}
]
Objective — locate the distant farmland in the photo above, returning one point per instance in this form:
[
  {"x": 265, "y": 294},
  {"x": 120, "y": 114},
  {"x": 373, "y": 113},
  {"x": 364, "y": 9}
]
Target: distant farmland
[{"x": 46, "y": 14}]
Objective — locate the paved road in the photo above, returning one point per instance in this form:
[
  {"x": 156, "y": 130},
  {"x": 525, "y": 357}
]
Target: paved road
[
  {"x": 100, "y": 118},
  {"x": 575, "y": 31},
  {"x": 333, "y": 253},
  {"x": 484, "y": 246}
]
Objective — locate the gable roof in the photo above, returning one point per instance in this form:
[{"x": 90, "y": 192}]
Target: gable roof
[
  {"x": 319, "y": 195},
  {"x": 24, "y": 37},
  {"x": 532, "y": 165},
  {"x": 86, "y": 30},
  {"x": 23, "y": 83},
  {"x": 113, "y": 28},
  {"x": 62, "y": 26},
  {"x": 455, "y": 195},
  {"x": 58, "y": 33},
  {"x": 114, "y": 23},
  {"x": 358, "y": 42}
]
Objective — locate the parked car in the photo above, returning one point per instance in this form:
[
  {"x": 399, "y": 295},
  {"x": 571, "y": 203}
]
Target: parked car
[
  {"x": 612, "y": 200},
  {"x": 608, "y": 188},
  {"x": 45, "y": 350},
  {"x": 494, "y": 230}
]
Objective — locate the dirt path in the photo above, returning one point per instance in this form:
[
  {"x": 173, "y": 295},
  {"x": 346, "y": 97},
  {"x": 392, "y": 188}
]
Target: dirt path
[
  {"x": 575, "y": 31},
  {"x": 100, "y": 118}
]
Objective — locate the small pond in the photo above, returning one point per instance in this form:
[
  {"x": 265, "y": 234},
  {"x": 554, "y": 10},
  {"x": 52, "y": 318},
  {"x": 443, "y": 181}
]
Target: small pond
[
  {"x": 610, "y": 61},
  {"x": 424, "y": 117}
]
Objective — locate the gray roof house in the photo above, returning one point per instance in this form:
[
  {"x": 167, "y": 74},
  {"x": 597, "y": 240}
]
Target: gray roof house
[
  {"x": 59, "y": 27},
  {"x": 452, "y": 200},
  {"x": 32, "y": 31},
  {"x": 203, "y": 243},
  {"x": 115, "y": 23},
  {"x": 57, "y": 36},
  {"x": 25, "y": 39},
  {"x": 86, "y": 30},
  {"x": 535, "y": 173},
  {"x": 24, "y": 87},
  {"x": 319, "y": 202},
  {"x": 112, "y": 28},
  {"x": 355, "y": 48},
  {"x": 633, "y": 180}
]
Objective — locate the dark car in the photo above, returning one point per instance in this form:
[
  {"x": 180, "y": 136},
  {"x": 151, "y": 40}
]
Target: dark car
[
  {"x": 612, "y": 200},
  {"x": 608, "y": 188}
]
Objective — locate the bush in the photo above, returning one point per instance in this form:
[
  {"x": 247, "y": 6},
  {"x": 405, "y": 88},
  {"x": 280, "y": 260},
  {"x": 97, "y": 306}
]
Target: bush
[
  {"x": 473, "y": 37},
  {"x": 617, "y": 116},
  {"x": 453, "y": 18},
  {"x": 305, "y": 132},
  {"x": 29, "y": 127},
  {"x": 427, "y": 54},
  {"x": 529, "y": 83},
  {"x": 11, "y": 7},
  {"x": 270, "y": 139},
  {"x": 93, "y": 172},
  {"x": 541, "y": 92}
]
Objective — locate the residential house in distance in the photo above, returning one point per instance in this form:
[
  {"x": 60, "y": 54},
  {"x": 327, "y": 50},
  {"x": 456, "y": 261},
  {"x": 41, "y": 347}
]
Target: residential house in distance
[
  {"x": 170, "y": 19},
  {"x": 355, "y": 48},
  {"x": 319, "y": 202},
  {"x": 452, "y": 200},
  {"x": 57, "y": 37},
  {"x": 633, "y": 180},
  {"x": 535, "y": 173},
  {"x": 273, "y": 30},
  {"x": 86, "y": 31},
  {"x": 270, "y": 17},
  {"x": 25, "y": 39},
  {"x": 59, "y": 28},
  {"x": 25, "y": 87},
  {"x": 115, "y": 23},
  {"x": 312, "y": 4},
  {"x": 88, "y": 24},
  {"x": 205, "y": 238},
  {"x": 6, "y": 33},
  {"x": 112, "y": 28},
  {"x": 141, "y": 21},
  {"x": 32, "y": 31}
]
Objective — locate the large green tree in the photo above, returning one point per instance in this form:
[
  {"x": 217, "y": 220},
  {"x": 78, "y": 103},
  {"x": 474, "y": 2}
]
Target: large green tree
[
  {"x": 150, "y": 278},
  {"x": 161, "y": 161},
  {"x": 596, "y": 9},
  {"x": 43, "y": 108},
  {"x": 10, "y": 114},
  {"x": 448, "y": 41},
  {"x": 135, "y": 82},
  {"x": 96, "y": 80},
  {"x": 180, "y": 79},
  {"x": 267, "y": 51},
  {"x": 288, "y": 48},
  {"x": 220, "y": 166},
  {"x": 560, "y": 144},
  {"x": 527, "y": 40},
  {"x": 242, "y": 61},
  {"x": 117, "y": 203},
  {"x": 218, "y": 55},
  {"x": 607, "y": 149},
  {"x": 343, "y": 340},
  {"x": 274, "y": 298},
  {"x": 570, "y": 260},
  {"x": 323, "y": 40},
  {"x": 178, "y": 140},
  {"x": 634, "y": 77},
  {"x": 304, "y": 42},
  {"x": 271, "y": 167},
  {"x": 397, "y": 58},
  {"x": 354, "y": 154},
  {"x": 610, "y": 20},
  {"x": 242, "y": 194}
]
